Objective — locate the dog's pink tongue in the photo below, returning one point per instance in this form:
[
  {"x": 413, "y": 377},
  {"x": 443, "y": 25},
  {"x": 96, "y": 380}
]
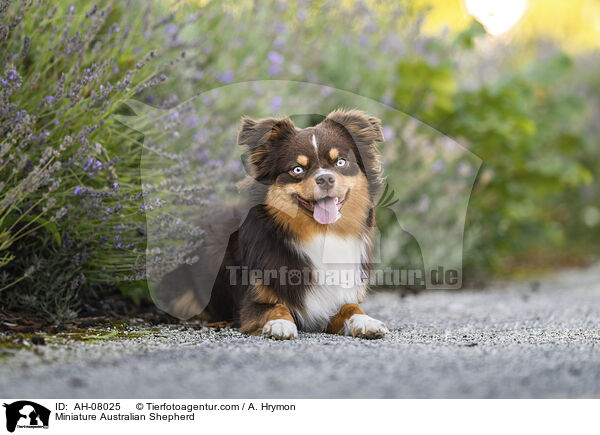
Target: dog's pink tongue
[{"x": 326, "y": 211}]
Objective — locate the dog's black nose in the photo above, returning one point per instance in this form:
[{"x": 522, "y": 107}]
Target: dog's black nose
[{"x": 325, "y": 181}]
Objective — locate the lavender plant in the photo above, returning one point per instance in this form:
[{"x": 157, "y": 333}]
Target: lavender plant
[{"x": 71, "y": 202}]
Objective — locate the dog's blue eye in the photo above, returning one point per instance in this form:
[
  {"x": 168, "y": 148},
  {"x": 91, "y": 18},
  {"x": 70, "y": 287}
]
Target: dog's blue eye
[
  {"x": 341, "y": 162},
  {"x": 298, "y": 170}
]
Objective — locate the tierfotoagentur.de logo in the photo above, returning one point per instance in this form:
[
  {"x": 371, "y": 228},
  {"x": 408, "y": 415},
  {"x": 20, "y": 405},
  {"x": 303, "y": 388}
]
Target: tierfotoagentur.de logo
[{"x": 24, "y": 414}]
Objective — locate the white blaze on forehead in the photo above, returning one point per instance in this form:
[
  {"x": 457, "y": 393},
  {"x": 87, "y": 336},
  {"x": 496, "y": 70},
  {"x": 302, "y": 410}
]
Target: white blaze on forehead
[{"x": 314, "y": 142}]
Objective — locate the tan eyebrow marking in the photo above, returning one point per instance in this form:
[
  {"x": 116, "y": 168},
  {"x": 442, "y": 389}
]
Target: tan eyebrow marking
[
  {"x": 302, "y": 160},
  {"x": 334, "y": 153}
]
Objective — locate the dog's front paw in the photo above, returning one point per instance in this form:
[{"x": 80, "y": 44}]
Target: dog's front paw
[
  {"x": 280, "y": 329},
  {"x": 363, "y": 326}
]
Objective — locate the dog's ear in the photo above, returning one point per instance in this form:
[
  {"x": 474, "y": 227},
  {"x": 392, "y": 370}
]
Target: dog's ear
[
  {"x": 363, "y": 128},
  {"x": 264, "y": 131},
  {"x": 259, "y": 137}
]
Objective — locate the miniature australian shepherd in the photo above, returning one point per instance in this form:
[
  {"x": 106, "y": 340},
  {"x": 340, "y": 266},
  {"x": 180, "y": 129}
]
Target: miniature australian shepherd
[{"x": 312, "y": 195}]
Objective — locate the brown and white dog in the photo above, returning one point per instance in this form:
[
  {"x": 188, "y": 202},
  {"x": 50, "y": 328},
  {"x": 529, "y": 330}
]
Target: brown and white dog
[{"x": 311, "y": 222}]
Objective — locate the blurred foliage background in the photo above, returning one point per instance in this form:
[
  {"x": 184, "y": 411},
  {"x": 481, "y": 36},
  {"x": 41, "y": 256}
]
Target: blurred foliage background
[{"x": 521, "y": 93}]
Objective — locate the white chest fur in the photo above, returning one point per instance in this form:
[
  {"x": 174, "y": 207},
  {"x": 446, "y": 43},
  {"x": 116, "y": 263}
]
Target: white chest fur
[{"x": 337, "y": 278}]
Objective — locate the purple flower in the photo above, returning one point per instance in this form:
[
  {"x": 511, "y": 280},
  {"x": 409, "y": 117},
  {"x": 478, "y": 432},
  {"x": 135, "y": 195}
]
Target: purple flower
[
  {"x": 276, "y": 60},
  {"x": 56, "y": 122},
  {"x": 279, "y": 43},
  {"x": 170, "y": 29},
  {"x": 275, "y": 103},
  {"x": 226, "y": 77},
  {"x": 275, "y": 57},
  {"x": 192, "y": 121},
  {"x": 388, "y": 133},
  {"x": 274, "y": 69},
  {"x": 79, "y": 190},
  {"x": 93, "y": 165},
  {"x": 280, "y": 28}
]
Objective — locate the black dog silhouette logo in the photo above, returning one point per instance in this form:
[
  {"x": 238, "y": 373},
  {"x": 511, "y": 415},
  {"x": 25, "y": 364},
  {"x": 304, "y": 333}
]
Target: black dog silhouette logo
[{"x": 26, "y": 414}]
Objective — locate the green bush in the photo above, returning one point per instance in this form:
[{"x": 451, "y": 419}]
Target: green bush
[{"x": 530, "y": 135}]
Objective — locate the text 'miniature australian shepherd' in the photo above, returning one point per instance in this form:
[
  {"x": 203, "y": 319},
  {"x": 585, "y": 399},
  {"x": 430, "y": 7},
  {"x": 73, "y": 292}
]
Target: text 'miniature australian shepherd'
[{"x": 313, "y": 192}]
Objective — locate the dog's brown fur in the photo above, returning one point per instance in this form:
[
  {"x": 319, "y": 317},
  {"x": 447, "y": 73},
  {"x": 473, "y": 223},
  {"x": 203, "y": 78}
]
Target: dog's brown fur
[{"x": 280, "y": 225}]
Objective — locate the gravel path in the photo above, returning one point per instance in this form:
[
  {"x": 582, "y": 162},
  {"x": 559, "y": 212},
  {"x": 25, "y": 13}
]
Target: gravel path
[{"x": 514, "y": 340}]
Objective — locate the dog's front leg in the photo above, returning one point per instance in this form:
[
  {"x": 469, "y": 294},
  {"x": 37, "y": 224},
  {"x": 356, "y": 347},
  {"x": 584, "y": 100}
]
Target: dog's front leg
[
  {"x": 271, "y": 320},
  {"x": 352, "y": 320}
]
